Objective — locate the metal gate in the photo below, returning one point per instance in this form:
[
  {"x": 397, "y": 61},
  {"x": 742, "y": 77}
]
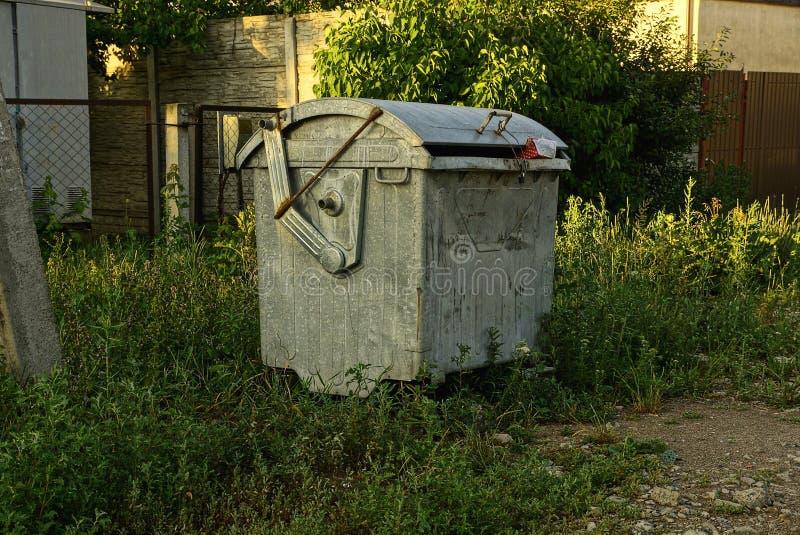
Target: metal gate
[{"x": 221, "y": 130}]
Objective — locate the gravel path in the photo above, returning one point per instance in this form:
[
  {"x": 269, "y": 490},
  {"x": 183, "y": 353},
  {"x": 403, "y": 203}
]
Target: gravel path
[{"x": 737, "y": 469}]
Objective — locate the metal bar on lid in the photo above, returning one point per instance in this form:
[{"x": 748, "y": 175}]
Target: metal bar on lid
[{"x": 285, "y": 205}]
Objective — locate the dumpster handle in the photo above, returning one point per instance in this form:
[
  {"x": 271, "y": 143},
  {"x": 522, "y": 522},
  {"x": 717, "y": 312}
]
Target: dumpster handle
[
  {"x": 285, "y": 205},
  {"x": 385, "y": 181},
  {"x": 501, "y": 126}
]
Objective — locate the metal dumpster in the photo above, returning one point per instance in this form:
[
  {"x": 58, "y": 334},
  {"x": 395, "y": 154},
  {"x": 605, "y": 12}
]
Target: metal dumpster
[{"x": 424, "y": 230}]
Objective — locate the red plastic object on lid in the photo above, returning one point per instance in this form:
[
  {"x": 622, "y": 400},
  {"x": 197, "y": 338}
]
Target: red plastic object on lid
[
  {"x": 530, "y": 151},
  {"x": 538, "y": 148}
]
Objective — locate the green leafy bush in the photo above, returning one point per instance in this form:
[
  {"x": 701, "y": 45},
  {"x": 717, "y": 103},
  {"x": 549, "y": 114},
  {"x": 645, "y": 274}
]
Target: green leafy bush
[
  {"x": 621, "y": 91},
  {"x": 728, "y": 183}
]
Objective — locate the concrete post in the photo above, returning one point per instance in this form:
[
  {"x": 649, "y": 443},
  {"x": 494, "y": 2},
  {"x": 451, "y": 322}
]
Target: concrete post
[
  {"x": 290, "y": 48},
  {"x": 179, "y": 162},
  {"x": 28, "y": 335}
]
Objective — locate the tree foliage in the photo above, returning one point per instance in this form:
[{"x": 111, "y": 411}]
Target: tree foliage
[
  {"x": 140, "y": 24},
  {"x": 617, "y": 87}
]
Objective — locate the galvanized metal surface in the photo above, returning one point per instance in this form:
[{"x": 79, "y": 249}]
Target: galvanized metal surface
[
  {"x": 8, "y": 59},
  {"x": 374, "y": 114},
  {"x": 429, "y": 124},
  {"x": 332, "y": 257},
  {"x": 441, "y": 255},
  {"x": 489, "y": 263},
  {"x": 78, "y": 5},
  {"x": 55, "y": 66}
]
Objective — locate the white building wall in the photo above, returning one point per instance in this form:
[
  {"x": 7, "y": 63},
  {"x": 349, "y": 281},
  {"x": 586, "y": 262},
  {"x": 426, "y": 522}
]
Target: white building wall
[
  {"x": 763, "y": 37},
  {"x": 52, "y": 52},
  {"x": 7, "y": 51},
  {"x": 52, "y": 64}
]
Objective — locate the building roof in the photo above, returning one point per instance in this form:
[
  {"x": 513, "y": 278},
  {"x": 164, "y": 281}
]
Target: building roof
[{"x": 80, "y": 5}]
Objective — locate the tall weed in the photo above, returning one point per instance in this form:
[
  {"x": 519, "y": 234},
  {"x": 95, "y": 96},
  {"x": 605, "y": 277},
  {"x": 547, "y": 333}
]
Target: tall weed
[{"x": 677, "y": 296}]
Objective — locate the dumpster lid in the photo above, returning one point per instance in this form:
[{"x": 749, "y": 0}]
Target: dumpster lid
[{"x": 431, "y": 125}]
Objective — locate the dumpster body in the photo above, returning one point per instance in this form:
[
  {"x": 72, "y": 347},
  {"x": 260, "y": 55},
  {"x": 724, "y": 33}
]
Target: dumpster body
[{"x": 421, "y": 236}]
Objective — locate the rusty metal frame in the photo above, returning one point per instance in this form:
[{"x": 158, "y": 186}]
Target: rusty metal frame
[{"x": 200, "y": 109}]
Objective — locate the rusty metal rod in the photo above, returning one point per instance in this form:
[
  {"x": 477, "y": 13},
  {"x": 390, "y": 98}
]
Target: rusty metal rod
[{"x": 285, "y": 205}]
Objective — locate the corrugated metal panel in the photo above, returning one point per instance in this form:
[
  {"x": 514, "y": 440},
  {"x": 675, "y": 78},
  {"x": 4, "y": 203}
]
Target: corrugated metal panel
[
  {"x": 727, "y": 89},
  {"x": 765, "y": 136},
  {"x": 772, "y": 136}
]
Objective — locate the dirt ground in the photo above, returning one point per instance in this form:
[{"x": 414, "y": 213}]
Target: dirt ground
[{"x": 737, "y": 469}]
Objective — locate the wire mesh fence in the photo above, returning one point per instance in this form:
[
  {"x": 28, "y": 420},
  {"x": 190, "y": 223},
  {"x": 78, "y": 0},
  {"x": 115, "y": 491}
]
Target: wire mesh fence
[
  {"x": 90, "y": 161},
  {"x": 222, "y": 130},
  {"x": 53, "y": 143},
  {"x": 86, "y": 161}
]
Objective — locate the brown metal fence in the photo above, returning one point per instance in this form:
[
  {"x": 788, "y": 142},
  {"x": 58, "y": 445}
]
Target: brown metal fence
[{"x": 765, "y": 134}]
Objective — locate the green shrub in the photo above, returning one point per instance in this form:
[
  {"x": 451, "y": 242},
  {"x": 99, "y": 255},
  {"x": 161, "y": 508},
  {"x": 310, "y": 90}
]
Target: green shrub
[
  {"x": 728, "y": 183},
  {"x": 621, "y": 91}
]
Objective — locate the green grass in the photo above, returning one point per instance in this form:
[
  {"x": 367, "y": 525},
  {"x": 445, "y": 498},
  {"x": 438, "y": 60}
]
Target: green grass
[{"x": 162, "y": 418}]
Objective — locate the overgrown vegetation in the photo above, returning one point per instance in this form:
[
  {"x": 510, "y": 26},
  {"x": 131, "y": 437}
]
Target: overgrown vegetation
[
  {"x": 50, "y": 214},
  {"x": 622, "y": 90},
  {"x": 162, "y": 418},
  {"x": 677, "y": 304}
]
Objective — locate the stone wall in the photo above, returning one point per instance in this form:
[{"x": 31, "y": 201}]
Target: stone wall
[{"x": 245, "y": 63}]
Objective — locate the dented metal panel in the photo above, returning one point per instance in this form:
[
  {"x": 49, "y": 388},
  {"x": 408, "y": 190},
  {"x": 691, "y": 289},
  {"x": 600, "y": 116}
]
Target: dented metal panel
[{"x": 489, "y": 263}]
